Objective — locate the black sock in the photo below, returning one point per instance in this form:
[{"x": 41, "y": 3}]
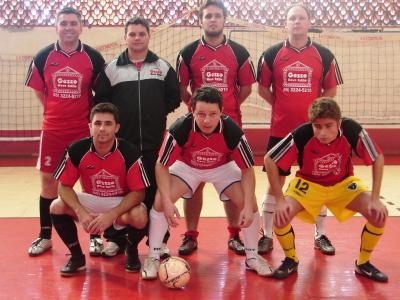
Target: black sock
[
  {"x": 135, "y": 236},
  {"x": 66, "y": 229},
  {"x": 166, "y": 237},
  {"x": 116, "y": 236},
  {"x": 45, "y": 220}
]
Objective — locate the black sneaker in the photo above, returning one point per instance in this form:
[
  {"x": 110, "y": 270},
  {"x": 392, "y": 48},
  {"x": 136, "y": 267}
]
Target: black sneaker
[
  {"x": 368, "y": 270},
  {"x": 236, "y": 245},
  {"x": 265, "y": 245},
  {"x": 73, "y": 266},
  {"x": 324, "y": 245},
  {"x": 287, "y": 267},
  {"x": 189, "y": 244},
  {"x": 132, "y": 263}
]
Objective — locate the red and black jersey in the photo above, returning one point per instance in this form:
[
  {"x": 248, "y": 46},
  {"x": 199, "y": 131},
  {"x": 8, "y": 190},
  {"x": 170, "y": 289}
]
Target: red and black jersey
[
  {"x": 325, "y": 164},
  {"x": 185, "y": 142},
  {"x": 226, "y": 67},
  {"x": 298, "y": 77},
  {"x": 66, "y": 81},
  {"x": 115, "y": 174}
]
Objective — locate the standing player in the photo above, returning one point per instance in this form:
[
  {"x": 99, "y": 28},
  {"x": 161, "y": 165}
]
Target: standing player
[
  {"x": 113, "y": 181},
  {"x": 61, "y": 75},
  {"x": 225, "y": 65},
  {"x": 145, "y": 89},
  {"x": 323, "y": 148},
  {"x": 291, "y": 75},
  {"x": 205, "y": 146}
]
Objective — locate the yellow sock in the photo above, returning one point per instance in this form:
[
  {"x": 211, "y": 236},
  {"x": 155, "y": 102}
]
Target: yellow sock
[
  {"x": 369, "y": 238},
  {"x": 285, "y": 237}
]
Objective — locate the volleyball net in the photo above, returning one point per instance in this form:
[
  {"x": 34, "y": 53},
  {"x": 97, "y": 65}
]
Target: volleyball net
[{"x": 369, "y": 63}]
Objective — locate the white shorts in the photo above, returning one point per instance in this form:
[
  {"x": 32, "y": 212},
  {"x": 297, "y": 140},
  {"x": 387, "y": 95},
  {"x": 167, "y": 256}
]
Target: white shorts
[
  {"x": 97, "y": 205},
  {"x": 221, "y": 177}
]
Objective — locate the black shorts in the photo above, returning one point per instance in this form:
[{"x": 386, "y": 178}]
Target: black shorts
[{"x": 273, "y": 140}]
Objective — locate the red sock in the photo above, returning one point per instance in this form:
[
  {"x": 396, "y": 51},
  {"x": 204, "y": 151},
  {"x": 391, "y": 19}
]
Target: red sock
[
  {"x": 192, "y": 233},
  {"x": 233, "y": 231}
]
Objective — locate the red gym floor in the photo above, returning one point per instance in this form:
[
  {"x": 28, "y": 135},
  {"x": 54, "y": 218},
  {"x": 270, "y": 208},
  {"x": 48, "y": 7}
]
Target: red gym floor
[{"x": 216, "y": 272}]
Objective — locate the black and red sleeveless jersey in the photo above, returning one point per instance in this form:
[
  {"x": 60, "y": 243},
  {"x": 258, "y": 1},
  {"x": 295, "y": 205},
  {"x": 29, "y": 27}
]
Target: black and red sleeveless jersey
[
  {"x": 115, "y": 174},
  {"x": 66, "y": 80},
  {"x": 297, "y": 77},
  {"x": 185, "y": 142},
  {"x": 226, "y": 67},
  {"x": 321, "y": 163}
]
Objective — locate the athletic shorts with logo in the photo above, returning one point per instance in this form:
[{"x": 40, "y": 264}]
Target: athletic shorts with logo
[{"x": 313, "y": 196}]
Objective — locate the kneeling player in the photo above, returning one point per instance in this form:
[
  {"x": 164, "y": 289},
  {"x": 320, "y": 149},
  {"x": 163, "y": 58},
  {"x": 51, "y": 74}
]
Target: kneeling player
[
  {"x": 205, "y": 146},
  {"x": 323, "y": 149},
  {"x": 113, "y": 181}
]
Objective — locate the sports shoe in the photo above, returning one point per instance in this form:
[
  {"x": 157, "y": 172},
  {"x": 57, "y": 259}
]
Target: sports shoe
[
  {"x": 189, "y": 244},
  {"x": 39, "y": 246},
  {"x": 95, "y": 246},
  {"x": 287, "y": 267},
  {"x": 236, "y": 245},
  {"x": 265, "y": 245},
  {"x": 370, "y": 271},
  {"x": 73, "y": 266},
  {"x": 132, "y": 263},
  {"x": 260, "y": 266},
  {"x": 164, "y": 252},
  {"x": 324, "y": 245},
  {"x": 111, "y": 249},
  {"x": 150, "y": 268}
]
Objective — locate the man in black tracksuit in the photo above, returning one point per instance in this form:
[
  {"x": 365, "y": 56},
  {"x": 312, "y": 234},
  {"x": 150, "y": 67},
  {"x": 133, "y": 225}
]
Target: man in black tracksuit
[{"x": 145, "y": 89}]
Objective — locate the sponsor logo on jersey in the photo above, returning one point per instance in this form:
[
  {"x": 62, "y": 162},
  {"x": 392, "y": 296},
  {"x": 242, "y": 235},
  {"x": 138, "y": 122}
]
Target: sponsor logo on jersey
[
  {"x": 215, "y": 74},
  {"x": 297, "y": 78},
  {"x": 156, "y": 72},
  {"x": 327, "y": 164},
  {"x": 67, "y": 83},
  {"x": 205, "y": 157},
  {"x": 105, "y": 184}
]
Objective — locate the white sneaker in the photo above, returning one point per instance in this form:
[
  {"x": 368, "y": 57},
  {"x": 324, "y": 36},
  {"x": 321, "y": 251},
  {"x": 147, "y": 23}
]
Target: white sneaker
[
  {"x": 150, "y": 268},
  {"x": 164, "y": 252},
  {"x": 39, "y": 246},
  {"x": 111, "y": 249},
  {"x": 95, "y": 246},
  {"x": 260, "y": 266}
]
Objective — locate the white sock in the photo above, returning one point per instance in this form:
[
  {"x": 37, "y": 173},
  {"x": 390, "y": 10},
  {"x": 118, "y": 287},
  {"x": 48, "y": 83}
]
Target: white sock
[
  {"x": 158, "y": 228},
  {"x": 268, "y": 214},
  {"x": 250, "y": 236},
  {"x": 320, "y": 223}
]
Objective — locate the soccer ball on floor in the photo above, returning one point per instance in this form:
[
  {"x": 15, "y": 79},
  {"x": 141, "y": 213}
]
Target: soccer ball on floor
[{"x": 174, "y": 272}]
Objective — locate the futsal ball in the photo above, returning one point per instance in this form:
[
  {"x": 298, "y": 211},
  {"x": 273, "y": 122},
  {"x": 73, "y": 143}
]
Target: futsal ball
[{"x": 174, "y": 272}]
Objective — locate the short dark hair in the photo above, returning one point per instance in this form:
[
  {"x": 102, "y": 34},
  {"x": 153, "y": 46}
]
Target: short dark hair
[
  {"x": 216, "y": 3},
  {"x": 324, "y": 107},
  {"x": 105, "y": 107},
  {"x": 137, "y": 21},
  {"x": 207, "y": 94},
  {"x": 70, "y": 11},
  {"x": 301, "y": 5}
]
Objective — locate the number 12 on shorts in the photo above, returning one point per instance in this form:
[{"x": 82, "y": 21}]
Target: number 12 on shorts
[{"x": 302, "y": 186}]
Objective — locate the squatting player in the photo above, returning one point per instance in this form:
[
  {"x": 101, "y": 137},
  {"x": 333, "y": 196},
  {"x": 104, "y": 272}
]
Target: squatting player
[
  {"x": 219, "y": 62},
  {"x": 291, "y": 75},
  {"x": 323, "y": 149},
  {"x": 61, "y": 75},
  {"x": 113, "y": 185},
  {"x": 205, "y": 146}
]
